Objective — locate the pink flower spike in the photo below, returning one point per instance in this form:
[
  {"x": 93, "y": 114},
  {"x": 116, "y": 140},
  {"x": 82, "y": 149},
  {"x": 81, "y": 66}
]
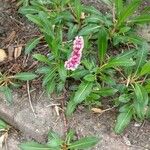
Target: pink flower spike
[{"x": 73, "y": 62}]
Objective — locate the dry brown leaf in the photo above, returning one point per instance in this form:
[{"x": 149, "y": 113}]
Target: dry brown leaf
[
  {"x": 10, "y": 52},
  {"x": 3, "y": 55},
  {"x": 3, "y": 138},
  {"x": 17, "y": 52},
  {"x": 97, "y": 110},
  {"x": 82, "y": 15},
  {"x": 11, "y": 37}
]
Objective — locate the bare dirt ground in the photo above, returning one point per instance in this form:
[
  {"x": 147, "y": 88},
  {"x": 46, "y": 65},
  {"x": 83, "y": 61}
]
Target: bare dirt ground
[{"x": 14, "y": 31}]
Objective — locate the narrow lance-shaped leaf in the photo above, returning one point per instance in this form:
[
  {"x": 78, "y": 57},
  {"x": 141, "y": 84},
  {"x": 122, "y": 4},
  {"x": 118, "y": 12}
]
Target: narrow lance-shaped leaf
[
  {"x": 42, "y": 58},
  {"x": 84, "y": 143},
  {"x": 123, "y": 120},
  {"x": 128, "y": 11},
  {"x": 34, "y": 146},
  {"x": 31, "y": 45},
  {"x": 7, "y": 93},
  {"x": 145, "y": 69},
  {"x": 102, "y": 44},
  {"x": 3, "y": 125},
  {"x": 25, "y": 76},
  {"x": 89, "y": 29},
  {"x": 141, "y": 19},
  {"x": 119, "y": 6},
  {"x": 81, "y": 94}
]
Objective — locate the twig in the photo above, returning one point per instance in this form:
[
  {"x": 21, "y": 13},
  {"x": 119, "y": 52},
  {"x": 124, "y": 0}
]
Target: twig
[
  {"x": 29, "y": 98},
  {"x": 51, "y": 105}
]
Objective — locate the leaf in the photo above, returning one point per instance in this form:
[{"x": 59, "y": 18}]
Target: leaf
[
  {"x": 83, "y": 91},
  {"x": 34, "y": 146},
  {"x": 3, "y": 55},
  {"x": 28, "y": 10},
  {"x": 123, "y": 59},
  {"x": 128, "y": 11},
  {"x": 17, "y": 52},
  {"x": 81, "y": 94},
  {"x": 145, "y": 69},
  {"x": 50, "y": 86},
  {"x": 49, "y": 76},
  {"x": 25, "y": 76},
  {"x": 31, "y": 45},
  {"x": 3, "y": 125},
  {"x": 141, "y": 94},
  {"x": 141, "y": 19},
  {"x": 35, "y": 19},
  {"x": 141, "y": 57},
  {"x": 90, "y": 77},
  {"x": 92, "y": 10},
  {"x": 119, "y": 6},
  {"x": 102, "y": 44},
  {"x": 42, "y": 58},
  {"x": 124, "y": 98},
  {"x": 71, "y": 106},
  {"x": 62, "y": 72},
  {"x": 84, "y": 143},
  {"x": 97, "y": 110},
  {"x": 106, "y": 91},
  {"x": 123, "y": 120},
  {"x": 87, "y": 30},
  {"x": 8, "y": 93},
  {"x": 54, "y": 140}
]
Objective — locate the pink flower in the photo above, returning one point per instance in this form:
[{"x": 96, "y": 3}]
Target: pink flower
[{"x": 73, "y": 62}]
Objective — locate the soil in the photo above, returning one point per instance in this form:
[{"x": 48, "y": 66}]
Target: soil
[{"x": 16, "y": 30}]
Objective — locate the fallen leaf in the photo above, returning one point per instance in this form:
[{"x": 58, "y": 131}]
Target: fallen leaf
[
  {"x": 17, "y": 52},
  {"x": 3, "y": 139},
  {"x": 3, "y": 55},
  {"x": 11, "y": 37},
  {"x": 82, "y": 15},
  {"x": 97, "y": 110},
  {"x": 10, "y": 52}
]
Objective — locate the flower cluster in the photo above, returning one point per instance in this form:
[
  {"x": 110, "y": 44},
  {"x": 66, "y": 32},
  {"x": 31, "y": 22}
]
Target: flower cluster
[{"x": 73, "y": 62}]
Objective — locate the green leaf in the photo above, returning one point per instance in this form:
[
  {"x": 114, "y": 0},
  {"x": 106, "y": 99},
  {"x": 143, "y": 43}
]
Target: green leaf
[
  {"x": 25, "y": 76},
  {"x": 50, "y": 86},
  {"x": 7, "y": 93},
  {"x": 81, "y": 94},
  {"x": 145, "y": 69},
  {"x": 35, "y": 19},
  {"x": 71, "y": 106},
  {"x": 49, "y": 76},
  {"x": 92, "y": 10},
  {"x": 28, "y": 10},
  {"x": 62, "y": 72},
  {"x": 83, "y": 91},
  {"x": 128, "y": 11},
  {"x": 34, "y": 146},
  {"x": 123, "y": 120},
  {"x": 123, "y": 59},
  {"x": 3, "y": 125},
  {"x": 141, "y": 94},
  {"x": 31, "y": 45},
  {"x": 90, "y": 77},
  {"x": 89, "y": 29},
  {"x": 141, "y": 19},
  {"x": 84, "y": 143},
  {"x": 141, "y": 57},
  {"x": 119, "y": 6},
  {"x": 54, "y": 140},
  {"x": 42, "y": 58},
  {"x": 124, "y": 98},
  {"x": 102, "y": 44},
  {"x": 106, "y": 91}
]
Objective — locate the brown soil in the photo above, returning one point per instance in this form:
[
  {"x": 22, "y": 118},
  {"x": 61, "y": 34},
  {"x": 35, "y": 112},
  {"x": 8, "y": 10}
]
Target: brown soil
[{"x": 136, "y": 136}]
